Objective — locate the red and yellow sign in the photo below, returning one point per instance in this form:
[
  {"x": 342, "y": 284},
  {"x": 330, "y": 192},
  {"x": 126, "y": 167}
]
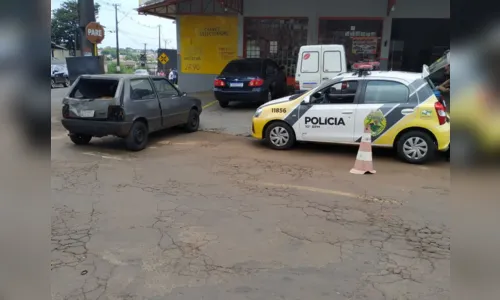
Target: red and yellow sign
[{"x": 207, "y": 43}]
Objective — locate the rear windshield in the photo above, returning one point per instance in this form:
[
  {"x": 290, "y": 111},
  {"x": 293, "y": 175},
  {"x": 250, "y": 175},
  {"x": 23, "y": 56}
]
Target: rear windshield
[
  {"x": 94, "y": 88},
  {"x": 243, "y": 68}
]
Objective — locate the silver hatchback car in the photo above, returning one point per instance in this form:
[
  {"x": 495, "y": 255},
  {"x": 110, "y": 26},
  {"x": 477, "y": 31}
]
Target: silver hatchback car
[{"x": 127, "y": 106}]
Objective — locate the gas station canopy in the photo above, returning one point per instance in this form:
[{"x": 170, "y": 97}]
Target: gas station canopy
[{"x": 171, "y": 8}]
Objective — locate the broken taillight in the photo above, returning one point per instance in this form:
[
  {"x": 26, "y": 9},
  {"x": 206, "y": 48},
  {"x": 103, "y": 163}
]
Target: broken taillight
[{"x": 115, "y": 113}]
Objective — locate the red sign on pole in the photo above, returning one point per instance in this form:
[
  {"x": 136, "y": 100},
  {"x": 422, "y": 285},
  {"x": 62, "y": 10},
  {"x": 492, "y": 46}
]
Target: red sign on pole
[{"x": 94, "y": 32}]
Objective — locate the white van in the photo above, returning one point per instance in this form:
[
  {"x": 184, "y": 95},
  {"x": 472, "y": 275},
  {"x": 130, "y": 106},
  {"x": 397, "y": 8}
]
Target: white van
[{"x": 317, "y": 63}]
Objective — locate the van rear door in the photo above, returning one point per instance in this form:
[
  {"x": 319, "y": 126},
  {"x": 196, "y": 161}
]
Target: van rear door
[
  {"x": 308, "y": 67},
  {"x": 334, "y": 61}
]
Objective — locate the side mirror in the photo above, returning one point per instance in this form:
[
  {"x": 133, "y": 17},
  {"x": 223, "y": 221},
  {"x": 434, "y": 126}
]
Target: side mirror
[
  {"x": 306, "y": 100},
  {"x": 184, "y": 94}
]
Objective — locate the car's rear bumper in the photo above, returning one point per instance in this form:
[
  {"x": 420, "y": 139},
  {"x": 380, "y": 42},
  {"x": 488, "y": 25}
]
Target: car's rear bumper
[
  {"x": 442, "y": 134},
  {"x": 246, "y": 96},
  {"x": 97, "y": 128}
]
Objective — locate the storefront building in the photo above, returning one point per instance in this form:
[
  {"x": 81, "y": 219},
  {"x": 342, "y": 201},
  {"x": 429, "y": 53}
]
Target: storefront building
[{"x": 400, "y": 34}]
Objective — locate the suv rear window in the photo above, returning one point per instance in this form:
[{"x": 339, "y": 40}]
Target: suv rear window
[
  {"x": 88, "y": 88},
  {"x": 243, "y": 68}
]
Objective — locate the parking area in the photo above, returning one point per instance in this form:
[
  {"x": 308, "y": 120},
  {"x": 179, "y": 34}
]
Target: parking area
[{"x": 216, "y": 215}]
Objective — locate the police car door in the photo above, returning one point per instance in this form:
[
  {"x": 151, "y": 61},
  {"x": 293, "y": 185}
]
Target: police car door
[
  {"x": 330, "y": 114},
  {"x": 383, "y": 103}
]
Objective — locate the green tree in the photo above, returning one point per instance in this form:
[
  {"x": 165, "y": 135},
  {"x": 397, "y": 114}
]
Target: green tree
[
  {"x": 130, "y": 56},
  {"x": 65, "y": 22},
  {"x": 124, "y": 69}
]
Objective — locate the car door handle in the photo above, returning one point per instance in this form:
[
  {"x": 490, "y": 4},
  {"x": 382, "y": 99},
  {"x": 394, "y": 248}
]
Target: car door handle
[
  {"x": 407, "y": 111},
  {"x": 325, "y": 78},
  {"x": 348, "y": 112}
]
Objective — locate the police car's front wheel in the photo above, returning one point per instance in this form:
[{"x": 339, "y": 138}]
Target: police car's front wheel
[
  {"x": 280, "y": 136},
  {"x": 416, "y": 147}
]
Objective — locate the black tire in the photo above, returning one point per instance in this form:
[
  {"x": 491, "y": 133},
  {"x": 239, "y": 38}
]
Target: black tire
[
  {"x": 223, "y": 103},
  {"x": 417, "y": 138},
  {"x": 137, "y": 139},
  {"x": 80, "y": 139},
  {"x": 52, "y": 83},
  {"x": 193, "y": 122},
  {"x": 274, "y": 128},
  {"x": 66, "y": 82}
]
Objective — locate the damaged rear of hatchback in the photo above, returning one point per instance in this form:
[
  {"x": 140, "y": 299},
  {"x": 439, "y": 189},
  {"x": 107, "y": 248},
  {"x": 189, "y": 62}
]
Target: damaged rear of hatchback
[{"x": 94, "y": 108}]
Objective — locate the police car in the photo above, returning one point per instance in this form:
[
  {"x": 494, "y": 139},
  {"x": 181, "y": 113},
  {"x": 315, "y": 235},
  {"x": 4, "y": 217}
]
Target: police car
[{"x": 399, "y": 107}]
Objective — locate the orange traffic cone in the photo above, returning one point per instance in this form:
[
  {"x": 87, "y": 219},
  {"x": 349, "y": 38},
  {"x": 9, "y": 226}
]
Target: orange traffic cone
[{"x": 364, "y": 160}]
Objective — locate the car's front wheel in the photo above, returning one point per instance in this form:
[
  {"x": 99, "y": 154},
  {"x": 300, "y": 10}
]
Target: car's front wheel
[
  {"x": 193, "y": 121},
  {"x": 52, "y": 83},
  {"x": 416, "y": 147},
  {"x": 137, "y": 139},
  {"x": 66, "y": 82},
  {"x": 280, "y": 136},
  {"x": 80, "y": 139}
]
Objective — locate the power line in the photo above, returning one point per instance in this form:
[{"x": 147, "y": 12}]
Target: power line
[
  {"x": 138, "y": 35},
  {"x": 133, "y": 39}
]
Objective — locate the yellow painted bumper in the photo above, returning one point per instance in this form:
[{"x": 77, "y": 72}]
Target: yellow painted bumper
[{"x": 258, "y": 127}]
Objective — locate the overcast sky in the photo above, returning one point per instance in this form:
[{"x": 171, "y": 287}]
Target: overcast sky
[{"x": 134, "y": 30}]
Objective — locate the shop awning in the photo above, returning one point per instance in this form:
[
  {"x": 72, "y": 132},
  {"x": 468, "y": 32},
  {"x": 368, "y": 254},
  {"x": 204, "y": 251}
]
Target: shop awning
[{"x": 171, "y": 8}]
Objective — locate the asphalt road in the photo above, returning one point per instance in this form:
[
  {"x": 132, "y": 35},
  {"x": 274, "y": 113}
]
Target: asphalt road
[{"x": 210, "y": 215}]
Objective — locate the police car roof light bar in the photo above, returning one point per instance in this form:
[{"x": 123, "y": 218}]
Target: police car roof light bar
[{"x": 362, "y": 69}]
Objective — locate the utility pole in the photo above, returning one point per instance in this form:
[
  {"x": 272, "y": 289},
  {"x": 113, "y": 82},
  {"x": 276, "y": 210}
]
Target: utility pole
[
  {"x": 146, "y": 56},
  {"x": 159, "y": 47},
  {"x": 159, "y": 36},
  {"x": 117, "y": 43},
  {"x": 86, "y": 14}
]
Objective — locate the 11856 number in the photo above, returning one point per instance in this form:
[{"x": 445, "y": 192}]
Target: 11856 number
[{"x": 279, "y": 110}]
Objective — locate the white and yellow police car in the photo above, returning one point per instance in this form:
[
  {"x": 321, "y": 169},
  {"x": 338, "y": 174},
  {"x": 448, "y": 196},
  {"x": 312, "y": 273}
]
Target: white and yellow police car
[{"x": 399, "y": 107}]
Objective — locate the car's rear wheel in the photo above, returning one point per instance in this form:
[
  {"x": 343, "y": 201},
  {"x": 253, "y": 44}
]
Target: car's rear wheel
[
  {"x": 66, "y": 82},
  {"x": 280, "y": 136},
  {"x": 137, "y": 139},
  {"x": 416, "y": 147},
  {"x": 223, "y": 103},
  {"x": 193, "y": 121},
  {"x": 80, "y": 139}
]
